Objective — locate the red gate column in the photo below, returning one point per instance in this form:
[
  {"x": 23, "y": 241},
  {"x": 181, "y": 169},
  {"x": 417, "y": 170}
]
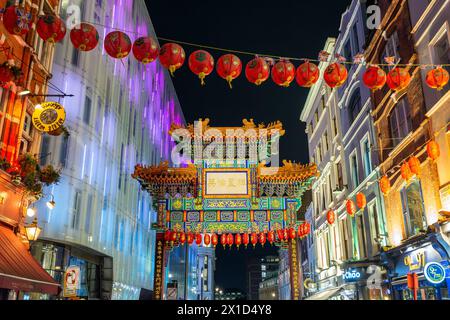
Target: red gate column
[{"x": 158, "y": 284}]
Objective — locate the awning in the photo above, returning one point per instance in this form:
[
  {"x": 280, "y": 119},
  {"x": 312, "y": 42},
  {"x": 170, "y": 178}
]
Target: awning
[
  {"x": 19, "y": 270},
  {"x": 325, "y": 295}
]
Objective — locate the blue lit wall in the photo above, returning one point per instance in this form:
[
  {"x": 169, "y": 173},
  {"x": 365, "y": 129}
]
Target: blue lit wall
[{"x": 119, "y": 116}]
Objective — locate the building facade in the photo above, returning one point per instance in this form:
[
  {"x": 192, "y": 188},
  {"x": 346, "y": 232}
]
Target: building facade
[
  {"x": 120, "y": 115},
  {"x": 404, "y": 126},
  {"x": 32, "y": 57}
]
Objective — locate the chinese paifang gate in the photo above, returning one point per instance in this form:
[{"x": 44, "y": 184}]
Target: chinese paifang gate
[{"x": 224, "y": 199}]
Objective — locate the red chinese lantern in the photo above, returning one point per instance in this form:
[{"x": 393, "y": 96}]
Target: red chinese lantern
[
  {"x": 271, "y": 237},
  {"x": 398, "y": 79},
  {"x": 307, "y": 229},
  {"x": 280, "y": 234},
  {"x": 198, "y": 239},
  {"x": 433, "y": 150},
  {"x": 223, "y": 240},
  {"x": 167, "y": 236},
  {"x": 51, "y": 28},
  {"x": 230, "y": 240},
  {"x": 385, "y": 185},
  {"x": 84, "y": 37},
  {"x": 245, "y": 239},
  {"x": 301, "y": 230},
  {"x": 331, "y": 217},
  {"x": 229, "y": 67},
  {"x": 214, "y": 240},
  {"x": 361, "y": 201},
  {"x": 207, "y": 240},
  {"x": 172, "y": 57},
  {"x": 351, "y": 208},
  {"x": 307, "y": 74},
  {"x": 145, "y": 49},
  {"x": 257, "y": 71},
  {"x": 173, "y": 236},
  {"x": 414, "y": 165},
  {"x": 374, "y": 78},
  {"x": 335, "y": 75},
  {"x": 406, "y": 172},
  {"x": 437, "y": 78},
  {"x": 182, "y": 238},
  {"x": 17, "y": 21},
  {"x": 283, "y": 73},
  {"x": 238, "y": 240},
  {"x": 262, "y": 239},
  {"x": 292, "y": 234},
  {"x": 201, "y": 63},
  {"x": 190, "y": 238},
  {"x": 117, "y": 44},
  {"x": 286, "y": 234},
  {"x": 254, "y": 239}
]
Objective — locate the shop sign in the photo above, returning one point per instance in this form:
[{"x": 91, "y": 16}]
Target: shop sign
[
  {"x": 435, "y": 273},
  {"x": 416, "y": 260},
  {"x": 71, "y": 281},
  {"x": 49, "y": 116},
  {"x": 354, "y": 275}
]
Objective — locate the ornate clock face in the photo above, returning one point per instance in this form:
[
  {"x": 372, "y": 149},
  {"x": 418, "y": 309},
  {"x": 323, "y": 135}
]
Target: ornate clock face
[{"x": 49, "y": 116}]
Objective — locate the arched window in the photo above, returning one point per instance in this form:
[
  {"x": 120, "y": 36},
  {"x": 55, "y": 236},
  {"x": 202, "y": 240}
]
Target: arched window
[
  {"x": 400, "y": 121},
  {"x": 355, "y": 106}
]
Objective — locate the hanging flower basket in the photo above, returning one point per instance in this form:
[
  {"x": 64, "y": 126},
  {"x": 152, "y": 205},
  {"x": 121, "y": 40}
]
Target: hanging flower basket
[
  {"x": 9, "y": 72},
  {"x": 49, "y": 175}
]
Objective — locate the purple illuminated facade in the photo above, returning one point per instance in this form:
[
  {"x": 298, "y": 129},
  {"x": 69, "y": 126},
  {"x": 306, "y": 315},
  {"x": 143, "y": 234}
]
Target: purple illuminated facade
[{"x": 119, "y": 116}]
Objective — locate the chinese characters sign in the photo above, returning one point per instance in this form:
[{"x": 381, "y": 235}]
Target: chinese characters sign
[{"x": 226, "y": 184}]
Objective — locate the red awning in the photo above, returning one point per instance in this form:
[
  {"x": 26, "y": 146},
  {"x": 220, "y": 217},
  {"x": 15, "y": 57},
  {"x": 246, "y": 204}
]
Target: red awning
[{"x": 19, "y": 270}]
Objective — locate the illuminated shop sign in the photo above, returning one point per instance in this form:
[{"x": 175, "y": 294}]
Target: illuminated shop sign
[
  {"x": 354, "y": 275},
  {"x": 434, "y": 272},
  {"x": 416, "y": 260}
]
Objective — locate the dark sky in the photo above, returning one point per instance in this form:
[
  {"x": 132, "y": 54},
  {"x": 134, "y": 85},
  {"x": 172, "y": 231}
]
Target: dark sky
[{"x": 283, "y": 28}]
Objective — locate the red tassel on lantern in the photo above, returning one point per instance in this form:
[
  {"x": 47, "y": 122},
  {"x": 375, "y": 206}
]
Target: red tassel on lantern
[
  {"x": 201, "y": 63},
  {"x": 351, "y": 208},
  {"x": 117, "y": 44},
  {"x": 257, "y": 71},
  {"x": 262, "y": 239},
  {"x": 307, "y": 74},
  {"x": 230, "y": 240},
  {"x": 84, "y": 37},
  {"x": 398, "y": 79},
  {"x": 271, "y": 237},
  {"x": 335, "y": 75},
  {"x": 145, "y": 49},
  {"x": 254, "y": 239},
  {"x": 229, "y": 67},
  {"x": 172, "y": 57},
  {"x": 17, "y": 21},
  {"x": 433, "y": 150},
  {"x": 223, "y": 240},
  {"x": 51, "y": 28},
  {"x": 414, "y": 165},
  {"x": 437, "y": 78},
  {"x": 374, "y": 78},
  {"x": 283, "y": 73}
]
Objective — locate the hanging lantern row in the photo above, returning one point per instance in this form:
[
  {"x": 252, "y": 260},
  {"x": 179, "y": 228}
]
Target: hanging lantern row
[
  {"x": 254, "y": 238},
  {"x": 172, "y": 56}
]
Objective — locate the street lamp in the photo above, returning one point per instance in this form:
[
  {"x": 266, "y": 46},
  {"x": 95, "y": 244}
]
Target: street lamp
[
  {"x": 32, "y": 230},
  {"x": 51, "y": 204},
  {"x": 31, "y": 212}
]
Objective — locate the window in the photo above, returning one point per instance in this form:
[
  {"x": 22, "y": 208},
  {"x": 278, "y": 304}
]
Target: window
[
  {"x": 340, "y": 177},
  {"x": 376, "y": 226},
  {"x": 442, "y": 50},
  {"x": 392, "y": 47},
  {"x": 76, "y": 210},
  {"x": 344, "y": 239},
  {"x": 63, "y": 152},
  {"x": 367, "y": 157},
  {"x": 45, "y": 148},
  {"x": 325, "y": 142},
  {"x": 355, "y": 105},
  {"x": 87, "y": 110},
  {"x": 316, "y": 116},
  {"x": 400, "y": 121},
  {"x": 355, "y": 38},
  {"x": 413, "y": 208},
  {"x": 354, "y": 169},
  {"x": 87, "y": 225},
  {"x": 335, "y": 128},
  {"x": 362, "y": 252},
  {"x": 27, "y": 125},
  {"x": 348, "y": 51}
]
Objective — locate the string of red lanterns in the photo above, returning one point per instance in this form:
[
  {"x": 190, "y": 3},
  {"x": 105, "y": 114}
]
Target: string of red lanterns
[
  {"x": 229, "y": 240},
  {"x": 117, "y": 44}
]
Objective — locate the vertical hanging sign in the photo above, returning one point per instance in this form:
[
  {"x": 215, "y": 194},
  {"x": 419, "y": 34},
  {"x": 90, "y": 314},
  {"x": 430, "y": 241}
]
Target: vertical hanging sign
[
  {"x": 159, "y": 266},
  {"x": 71, "y": 281}
]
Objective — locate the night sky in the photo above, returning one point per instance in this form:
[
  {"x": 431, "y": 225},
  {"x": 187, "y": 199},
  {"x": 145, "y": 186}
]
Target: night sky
[{"x": 282, "y": 28}]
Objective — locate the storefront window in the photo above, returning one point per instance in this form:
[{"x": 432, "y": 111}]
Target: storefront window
[{"x": 413, "y": 208}]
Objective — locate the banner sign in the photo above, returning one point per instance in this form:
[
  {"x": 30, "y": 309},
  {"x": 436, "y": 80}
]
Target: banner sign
[{"x": 71, "y": 281}]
